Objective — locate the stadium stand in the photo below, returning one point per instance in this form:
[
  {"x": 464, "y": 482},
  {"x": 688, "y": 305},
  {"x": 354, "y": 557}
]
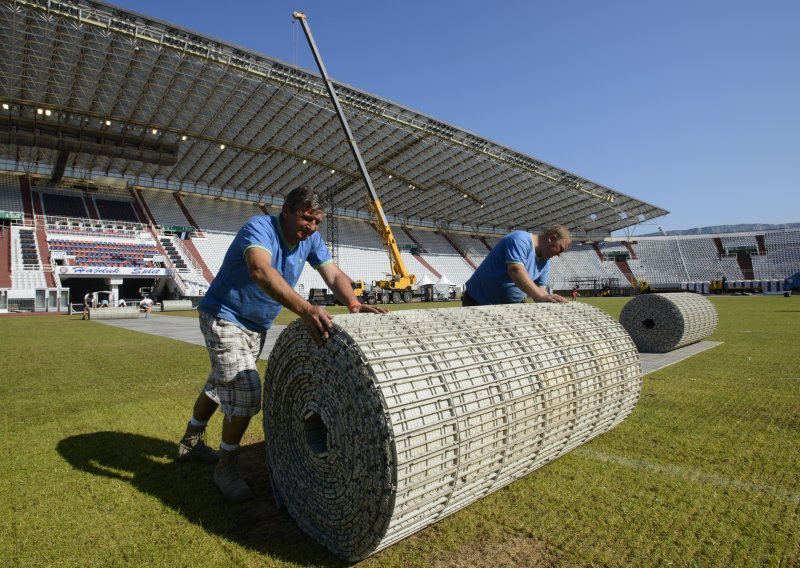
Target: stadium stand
[
  {"x": 190, "y": 273},
  {"x": 213, "y": 247},
  {"x": 361, "y": 253},
  {"x": 704, "y": 263},
  {"x": 783, "y": 254},
  {"x": 63, "y": 205},
  {"x": 26, "y": 273},
  {"x": 658, "y": 260},
  {"x": 184, "y": 181},
  {"x": 475, "y": 250},
  {"x": 221, "y": 215},
  {"x": 110, "y": 209},
  {"x": 113, "y": 253},
  {"x": 414, "y": 264},
  {"x": 734, "y": 241},
  {"x": 10, "y": 196},
  {"x": 581, "y": 262},
  {"x": 440, "y": 254},
  {"x": 165, "y": 209},
  {"x": 80, "y": 240}
]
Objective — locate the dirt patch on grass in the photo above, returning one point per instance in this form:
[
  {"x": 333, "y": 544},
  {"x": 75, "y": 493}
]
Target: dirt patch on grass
[{"x": 510, "y": 552}]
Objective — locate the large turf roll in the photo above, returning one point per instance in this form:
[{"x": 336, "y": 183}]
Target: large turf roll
[
  {"x": 401, "y": 419},
  {"x": 659, "y": 323}
]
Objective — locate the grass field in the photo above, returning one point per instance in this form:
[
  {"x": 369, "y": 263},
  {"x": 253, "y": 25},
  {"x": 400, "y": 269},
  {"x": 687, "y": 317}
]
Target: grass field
[{"x": 705, "y": 471}]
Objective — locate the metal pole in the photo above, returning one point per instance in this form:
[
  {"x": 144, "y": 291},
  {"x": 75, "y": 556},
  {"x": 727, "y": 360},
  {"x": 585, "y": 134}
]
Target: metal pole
[{"x": 339, "y": 112}]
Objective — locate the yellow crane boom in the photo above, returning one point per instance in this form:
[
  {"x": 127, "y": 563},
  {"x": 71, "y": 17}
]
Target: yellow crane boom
[{"x": 400, "y": 280}]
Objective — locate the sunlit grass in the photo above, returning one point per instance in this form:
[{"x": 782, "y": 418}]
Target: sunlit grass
[{"x": 703, "y": 473}]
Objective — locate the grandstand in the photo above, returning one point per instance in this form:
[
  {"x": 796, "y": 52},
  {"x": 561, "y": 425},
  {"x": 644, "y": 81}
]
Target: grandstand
[
  {"x": 128, "y": 182},
  {"x": 183, "y": 251}
]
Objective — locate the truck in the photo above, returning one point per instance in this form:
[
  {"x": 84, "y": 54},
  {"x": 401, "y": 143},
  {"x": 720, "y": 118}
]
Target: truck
[
  {"x": 400, "y": 285},
  {"x": 321, "y": 297}
]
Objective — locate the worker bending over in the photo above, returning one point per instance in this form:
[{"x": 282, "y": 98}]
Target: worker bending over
[{"x": 517, "y": 267}]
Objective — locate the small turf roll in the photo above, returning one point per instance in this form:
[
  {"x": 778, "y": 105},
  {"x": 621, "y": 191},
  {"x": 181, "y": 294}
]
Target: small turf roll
[
  {"x": 401, "y": 419},
  {"x": 659, "y": 323}
]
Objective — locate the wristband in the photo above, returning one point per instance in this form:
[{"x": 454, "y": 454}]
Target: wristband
[{"x": 352, "y": 304}]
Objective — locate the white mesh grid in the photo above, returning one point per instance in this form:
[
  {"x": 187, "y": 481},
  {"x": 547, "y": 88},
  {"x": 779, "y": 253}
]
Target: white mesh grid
[{"x": 401, "y": 419}]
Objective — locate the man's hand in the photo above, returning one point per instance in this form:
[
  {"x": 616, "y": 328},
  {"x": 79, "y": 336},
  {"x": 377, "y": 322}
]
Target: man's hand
[
  {"x": 554, "y": 298},
  {"x": 366, "y": 308},
  {"x": 318, "y": 323}
]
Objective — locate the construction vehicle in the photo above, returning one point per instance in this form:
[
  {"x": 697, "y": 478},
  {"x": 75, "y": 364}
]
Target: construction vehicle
[
  {"x": 321, "y": 297},
  {"x": 400, "y": 284}
]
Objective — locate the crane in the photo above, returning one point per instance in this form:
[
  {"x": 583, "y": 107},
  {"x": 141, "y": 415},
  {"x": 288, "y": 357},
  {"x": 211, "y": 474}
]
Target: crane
[{"x": 401, "y": 284}]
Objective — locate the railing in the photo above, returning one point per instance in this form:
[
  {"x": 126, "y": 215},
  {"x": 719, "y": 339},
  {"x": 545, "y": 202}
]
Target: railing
[
  {"x": 187, "y": 256},
  {"x": 93, "y": 227}
]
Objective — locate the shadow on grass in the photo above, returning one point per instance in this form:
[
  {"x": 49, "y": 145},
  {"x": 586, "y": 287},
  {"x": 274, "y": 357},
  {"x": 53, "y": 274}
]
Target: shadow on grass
[{"x": 148, "y": 465}]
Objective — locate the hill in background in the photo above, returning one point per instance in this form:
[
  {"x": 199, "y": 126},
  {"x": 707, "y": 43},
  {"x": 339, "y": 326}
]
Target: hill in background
[{"x": 741, "y": 228}]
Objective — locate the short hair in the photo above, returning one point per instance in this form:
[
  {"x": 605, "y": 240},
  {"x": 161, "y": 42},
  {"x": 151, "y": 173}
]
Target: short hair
[
  {"x": 560, "y": 232},
  {"x": 304, "y": 198}
]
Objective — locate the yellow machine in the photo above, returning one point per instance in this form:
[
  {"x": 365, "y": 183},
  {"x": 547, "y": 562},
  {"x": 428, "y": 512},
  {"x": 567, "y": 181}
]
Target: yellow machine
[
  {"x": 717, "y": 286},
  {"x": 400, "y": 285}
]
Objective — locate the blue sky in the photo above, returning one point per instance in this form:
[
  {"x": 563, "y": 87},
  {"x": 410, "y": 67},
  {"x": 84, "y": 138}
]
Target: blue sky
[{"x": 693, "y": 106}]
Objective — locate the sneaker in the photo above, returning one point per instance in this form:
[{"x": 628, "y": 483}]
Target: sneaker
[
  {"x": 193, "y": 448},
  {"x": 228, "y": 479}
]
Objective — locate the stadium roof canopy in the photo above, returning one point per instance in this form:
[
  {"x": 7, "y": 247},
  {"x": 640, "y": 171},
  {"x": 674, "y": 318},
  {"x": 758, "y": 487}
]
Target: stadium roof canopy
[{"x": 91, "y": 91}]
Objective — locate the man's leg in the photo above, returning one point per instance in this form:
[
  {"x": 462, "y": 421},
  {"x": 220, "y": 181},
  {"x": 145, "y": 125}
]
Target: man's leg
[
  {"x": 204, "y": 407},
  {"x": 226, "y": 475},
  {"x": 192, "y": 446},
  {"x": 233, "y": 428},
  {"x": 235, "y": 384}
]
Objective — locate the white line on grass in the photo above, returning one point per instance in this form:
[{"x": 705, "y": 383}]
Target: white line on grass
[{"x": 695, "y": 475}]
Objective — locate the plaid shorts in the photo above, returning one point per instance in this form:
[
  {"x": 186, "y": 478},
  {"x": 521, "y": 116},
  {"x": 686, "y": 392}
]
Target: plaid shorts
[{"x": 233, "y": 382}]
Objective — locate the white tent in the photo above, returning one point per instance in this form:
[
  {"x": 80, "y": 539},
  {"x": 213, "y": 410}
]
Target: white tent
[
  {"x": 442, "y": 287},
  {"x": 444, "y": 281},
  {"x": 425, "y": 280}
]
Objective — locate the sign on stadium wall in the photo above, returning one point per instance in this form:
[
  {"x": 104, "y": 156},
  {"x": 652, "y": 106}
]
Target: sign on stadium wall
[{"x": 112, "y": 270}]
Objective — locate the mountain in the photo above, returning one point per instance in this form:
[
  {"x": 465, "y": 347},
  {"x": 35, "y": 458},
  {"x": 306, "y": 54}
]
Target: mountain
[{"x": 717, "y": 229}]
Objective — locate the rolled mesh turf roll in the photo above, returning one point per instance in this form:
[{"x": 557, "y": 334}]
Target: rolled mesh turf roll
[
  {"x": 659, "y": 323},
  {"x": 401, "y": 419}
]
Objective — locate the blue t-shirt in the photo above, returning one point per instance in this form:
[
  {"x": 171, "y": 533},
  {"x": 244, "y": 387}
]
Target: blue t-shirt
[
  {"x": 235, "y": 297},
  {"x": 491, "y": 284}
]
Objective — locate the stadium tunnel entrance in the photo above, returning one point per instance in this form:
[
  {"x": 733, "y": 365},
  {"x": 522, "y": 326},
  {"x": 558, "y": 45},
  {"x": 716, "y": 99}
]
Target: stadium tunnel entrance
[{"x": 127, "y": 288}]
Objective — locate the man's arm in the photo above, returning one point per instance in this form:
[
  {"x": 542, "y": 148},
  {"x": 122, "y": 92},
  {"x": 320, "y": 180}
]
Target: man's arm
[
  {"x": 523, "y": 281},
  {"x": 339, "y": 283},
  {"x": 317, "y": 320}
]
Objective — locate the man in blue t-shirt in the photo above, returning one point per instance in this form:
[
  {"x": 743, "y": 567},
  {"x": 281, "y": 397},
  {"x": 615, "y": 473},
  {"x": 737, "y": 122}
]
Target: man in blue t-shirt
[
  {"x": 517, "y": 267},
  {"x": 257, "y": 278}
]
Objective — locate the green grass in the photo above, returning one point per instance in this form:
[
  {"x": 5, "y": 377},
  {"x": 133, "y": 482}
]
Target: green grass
[{"x": 705, "y": 471}]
